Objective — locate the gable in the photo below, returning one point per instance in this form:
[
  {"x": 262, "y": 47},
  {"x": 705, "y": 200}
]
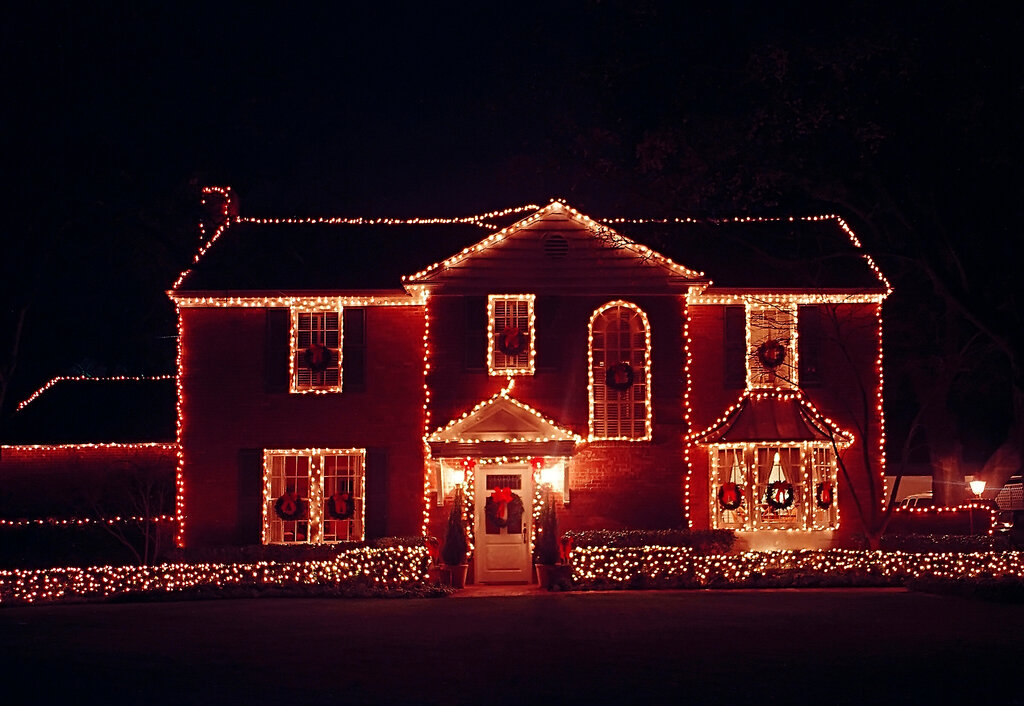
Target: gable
[
  {"x": 560, "y": 249},
  {"x": 502, "y": 418}
]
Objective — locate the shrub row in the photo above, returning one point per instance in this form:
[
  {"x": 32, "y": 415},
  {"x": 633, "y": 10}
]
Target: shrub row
[
  {"x": 681, "y": 567},
  {"x": 356, "y": 571},
  {"x": 700, "y": 541}
]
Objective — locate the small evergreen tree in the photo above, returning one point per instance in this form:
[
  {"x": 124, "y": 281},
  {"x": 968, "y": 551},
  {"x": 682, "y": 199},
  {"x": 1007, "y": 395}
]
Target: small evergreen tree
[
  {"x": 545, "y": 549},
  {"x": 456, "y": 542}
]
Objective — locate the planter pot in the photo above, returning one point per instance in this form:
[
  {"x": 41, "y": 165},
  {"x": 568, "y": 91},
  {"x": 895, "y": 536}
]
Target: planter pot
[
  {"x": 554, "y": 576},
  {"x": 456, "y": 575},
  {"x": 435, "y": 576}
]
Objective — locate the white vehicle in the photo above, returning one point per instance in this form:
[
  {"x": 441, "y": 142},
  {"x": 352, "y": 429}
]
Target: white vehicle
[{"x": 918, "y": 500}]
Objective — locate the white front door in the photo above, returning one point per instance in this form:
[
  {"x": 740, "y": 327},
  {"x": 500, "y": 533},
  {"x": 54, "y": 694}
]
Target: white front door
[{"x": 503, "y": 523}]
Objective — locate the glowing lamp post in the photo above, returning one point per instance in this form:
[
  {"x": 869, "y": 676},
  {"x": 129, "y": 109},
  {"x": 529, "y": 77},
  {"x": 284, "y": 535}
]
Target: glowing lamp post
[{"x": 977, "y": 487}]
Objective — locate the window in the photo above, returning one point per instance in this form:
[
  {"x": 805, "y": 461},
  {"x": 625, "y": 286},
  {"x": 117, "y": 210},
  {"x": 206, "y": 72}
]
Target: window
[
  {"x": 510, "y": 329},
  {"x": 313, "y": 497},
  {"x": 771, "y": 346},
  {"x": 316, "y": 351},
  {"x": 620, "y": 373},
  {"x": 774, "y": 486}
]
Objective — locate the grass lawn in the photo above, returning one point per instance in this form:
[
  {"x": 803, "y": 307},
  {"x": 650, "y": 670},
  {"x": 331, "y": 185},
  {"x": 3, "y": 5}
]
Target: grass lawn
[{"x": 738, "y": 646}]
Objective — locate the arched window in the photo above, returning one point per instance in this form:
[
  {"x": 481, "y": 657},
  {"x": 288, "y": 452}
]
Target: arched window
[{"x": 620, "y": 373}]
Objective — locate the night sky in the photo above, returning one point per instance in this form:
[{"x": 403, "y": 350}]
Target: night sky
[{"x": 905, "y": 119}]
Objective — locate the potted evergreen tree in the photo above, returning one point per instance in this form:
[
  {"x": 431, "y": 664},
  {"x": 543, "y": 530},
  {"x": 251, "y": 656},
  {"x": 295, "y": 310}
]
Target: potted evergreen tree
[
  {"x": 553, "y": 569},
  {"x": 456, "y": 543}
]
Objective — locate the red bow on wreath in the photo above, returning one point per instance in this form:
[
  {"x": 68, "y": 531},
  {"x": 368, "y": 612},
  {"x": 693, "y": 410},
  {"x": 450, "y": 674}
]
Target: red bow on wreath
[
  {"x": 502, "y": 497},
  {"x": 564, "y": 548}
]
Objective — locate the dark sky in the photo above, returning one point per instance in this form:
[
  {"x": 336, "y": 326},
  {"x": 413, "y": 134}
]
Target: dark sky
[{"x": 115, "y": 114}]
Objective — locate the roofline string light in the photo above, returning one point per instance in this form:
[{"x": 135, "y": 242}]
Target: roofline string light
[
  {"x": 82, "y": 521},
  {"x": 87, "y": 378},
  {"x": 225, "y": 192},
  {"x": 590, "y": 224},
  {"x": 503, "y": 393},
  {"x": 843, "y": 437}
]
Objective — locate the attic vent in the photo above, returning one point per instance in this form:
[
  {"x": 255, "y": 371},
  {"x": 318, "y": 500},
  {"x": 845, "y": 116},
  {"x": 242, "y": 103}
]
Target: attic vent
[{"x": 556, "y": 246}]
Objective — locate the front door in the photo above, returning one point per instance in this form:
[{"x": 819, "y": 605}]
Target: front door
[{"x": 503, "y": 523}]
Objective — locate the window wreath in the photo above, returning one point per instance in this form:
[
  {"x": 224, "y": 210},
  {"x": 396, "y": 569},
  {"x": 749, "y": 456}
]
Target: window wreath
[
  {"x": 730, "y": 496},
  {"x": 317, "y": 357},
  {"x": 289, "y": 507},
  {"x": 511, "y": 341},
  {"x": 823, "y": 495},
  {"x": 780, "y": 495},
  {"x": 619, "y": 376},
  {"x": 771, "y": 353},
  {"x": 340, "y": 506}
]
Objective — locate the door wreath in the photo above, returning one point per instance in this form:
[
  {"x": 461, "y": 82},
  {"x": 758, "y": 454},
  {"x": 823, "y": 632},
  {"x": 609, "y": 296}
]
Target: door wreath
[
  {"x": 289, "y": 507},
  {"x": 503, "y": 510}
]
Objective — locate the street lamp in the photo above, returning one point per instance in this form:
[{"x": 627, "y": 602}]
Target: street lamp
[{"x": 977, "y": 487}]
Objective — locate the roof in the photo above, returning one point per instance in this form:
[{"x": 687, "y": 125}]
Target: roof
[
  {"x": 772, "y": 416},
  {"x": 339, "y": 254},
  {"x": 96, "y": 410}
]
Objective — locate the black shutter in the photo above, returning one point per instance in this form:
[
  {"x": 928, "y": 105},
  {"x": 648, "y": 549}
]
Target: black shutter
[
  {"x": 278, "y": 350},
  {"x": 734, "y": 354},
  {"x": 249, "y": 529},
  {"x": 375, "y": 498},
  {"x": 476, "y": 333},
  {"x": 809, "y": 334},
  {"x": 353, "y": 358}
]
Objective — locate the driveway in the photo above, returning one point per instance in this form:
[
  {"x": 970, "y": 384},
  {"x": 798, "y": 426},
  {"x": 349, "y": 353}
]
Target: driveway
[{"x": 742, "y": 646}]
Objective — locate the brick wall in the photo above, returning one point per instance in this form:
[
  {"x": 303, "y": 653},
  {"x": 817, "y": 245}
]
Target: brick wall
[{"x": 229, "y": 417}]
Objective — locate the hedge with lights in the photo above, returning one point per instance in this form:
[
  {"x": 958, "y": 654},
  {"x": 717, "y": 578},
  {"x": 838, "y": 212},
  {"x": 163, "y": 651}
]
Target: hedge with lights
[
  {"x": 362, "y": 571},
  {"x": 700, "y": 541},
  {"x": 596, "y": 567}
]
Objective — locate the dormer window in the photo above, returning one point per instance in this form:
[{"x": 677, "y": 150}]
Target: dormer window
[
  {"x": 771, "y": 346},
  {"x": 510, "y": 334}
]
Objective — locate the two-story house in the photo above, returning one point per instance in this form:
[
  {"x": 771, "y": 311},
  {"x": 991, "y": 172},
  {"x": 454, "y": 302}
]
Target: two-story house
[{"x": 338, "y": 378}]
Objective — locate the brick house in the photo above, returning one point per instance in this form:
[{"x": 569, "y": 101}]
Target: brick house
[{"x": 338, "y": 378}]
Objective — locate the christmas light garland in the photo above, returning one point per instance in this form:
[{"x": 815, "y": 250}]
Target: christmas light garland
[{"x": 383, "y": 568}]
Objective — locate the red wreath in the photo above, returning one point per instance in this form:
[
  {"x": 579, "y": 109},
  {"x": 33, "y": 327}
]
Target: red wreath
[
  {"x": 317, "y": 357},
  {"x": 823, "y": 495},
  {"x": 771, "y": 353},
  {"x": 730, "y": 496},
  {"x": 511, "y": 341},
  {"x": 780, "y": 495},
  {"x": 619, "y": 376},
  {"x": 341, "y": 506},
  {"x": 289, "y": 507}
]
